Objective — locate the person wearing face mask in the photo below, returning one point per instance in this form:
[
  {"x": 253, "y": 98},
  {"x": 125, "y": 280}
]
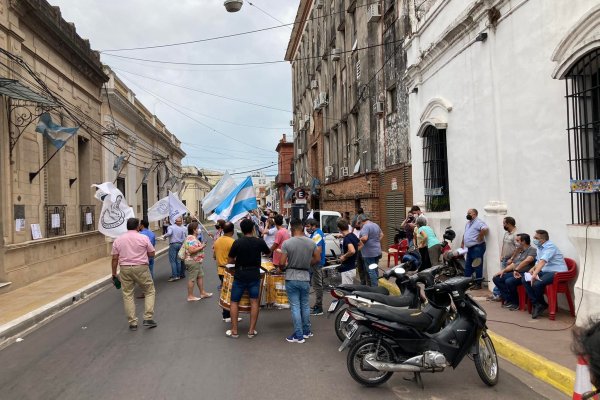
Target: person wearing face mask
[
  {"x": 317, "y": 236},
  {"x": 474, "y": 241},
  {"x": 507, "y": 279},
  {"x": 549, "y": 261},
  {"x": 507, "y": 252}
]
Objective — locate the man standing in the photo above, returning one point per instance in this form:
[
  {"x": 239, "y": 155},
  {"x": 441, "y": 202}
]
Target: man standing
[
  {"x": 144, "y": 224},
  {"x": 176, "y": 234},
  {"x": 131, "y": 252},
  {"x": 350, "y": 247},
  {"x": 318, "y": 237},
  {"x": 246, "y": 254},
  {"x": 280, "y": 237},
  {"x": 370, "y": 236},
  {"x": 300, "y": 253},
  {"x": 549, "y": 261},
  {"x": 507, "y": 252},
  {"x": 474, "y": 241},
  {"x": 222, "y": 247}
]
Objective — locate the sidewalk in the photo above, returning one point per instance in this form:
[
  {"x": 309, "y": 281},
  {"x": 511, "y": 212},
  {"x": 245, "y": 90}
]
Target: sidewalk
[
  {"x": 22, "y": 309},
  {"x": 545, "y": 354}
]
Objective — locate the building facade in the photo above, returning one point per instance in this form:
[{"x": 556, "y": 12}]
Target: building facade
[
  {"x": 351, "y": 146},
  {"x": 141, "y": 155},
  {"x": 47, "y": 209},
  {"x": 262, "y": 184},
  {"x": 195, "y": 187},
  {"x": 283, "y": 181},
  {"x": 490, "y": 128}
]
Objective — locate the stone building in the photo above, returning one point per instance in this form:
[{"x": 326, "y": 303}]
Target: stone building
[
  {"x": 141, "y": 155},
  {"x": 195, "y": 187},
  {"x": 351, "y": 146},
  {"x": 47, "y": 209},
  {"x": 504, "y": 112}
]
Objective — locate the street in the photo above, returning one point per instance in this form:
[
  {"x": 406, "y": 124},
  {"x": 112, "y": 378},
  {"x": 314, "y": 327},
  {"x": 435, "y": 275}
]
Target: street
[{"x": 89, "y": 353}]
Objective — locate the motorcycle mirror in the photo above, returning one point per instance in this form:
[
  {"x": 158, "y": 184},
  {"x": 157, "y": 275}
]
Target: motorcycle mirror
[
  {"x": 399, "y": 270},
  {"x": 373, "y": 266}
]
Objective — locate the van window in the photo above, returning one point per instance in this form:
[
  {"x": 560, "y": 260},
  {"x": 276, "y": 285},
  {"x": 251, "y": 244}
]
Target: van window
[{"x": 330, "y": 224}]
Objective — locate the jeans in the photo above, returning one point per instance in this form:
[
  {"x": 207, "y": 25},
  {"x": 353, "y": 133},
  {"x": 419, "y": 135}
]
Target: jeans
[
  {"x": 316, "y": 281},
  {"x": 151, "y": 266},
  {"x": 535, "y": 291},
  {"x": 475, "y": 256},
  {"x": 507, "y": 287},
  {"x": 372, "y": 273},
  {"x": 174, "y": 260},
  {"x": 298, "y": 296}
]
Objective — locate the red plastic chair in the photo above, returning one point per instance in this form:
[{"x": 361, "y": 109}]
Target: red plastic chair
[
  {"x": 403, "y": 248},
  {"x": 560, "y": 284},
  {"x": 393, "y": 252}
]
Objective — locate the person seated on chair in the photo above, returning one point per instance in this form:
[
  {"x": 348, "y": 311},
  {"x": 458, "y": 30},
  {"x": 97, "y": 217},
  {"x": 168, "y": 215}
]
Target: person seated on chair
[
  {"x": 549, "y": 261},
  {"x": 507, "y": 279}
]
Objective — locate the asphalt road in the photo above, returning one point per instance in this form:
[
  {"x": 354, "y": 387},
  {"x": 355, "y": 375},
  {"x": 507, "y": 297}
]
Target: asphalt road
[{"x": 89, "y": 353}]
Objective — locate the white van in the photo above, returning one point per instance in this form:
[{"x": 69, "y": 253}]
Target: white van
[{"x": 328, "y": 223}]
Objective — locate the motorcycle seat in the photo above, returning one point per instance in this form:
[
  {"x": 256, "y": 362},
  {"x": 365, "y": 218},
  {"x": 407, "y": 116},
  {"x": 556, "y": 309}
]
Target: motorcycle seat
[
  {"x": 457, "y": 283},
  {"x": 393, "y": 301},
  {"x": 414, "y": 318},
  {"x": 365, "y": 288}
]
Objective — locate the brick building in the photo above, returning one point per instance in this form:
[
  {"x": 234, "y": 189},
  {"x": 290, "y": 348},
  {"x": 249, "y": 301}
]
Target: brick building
[
  {"x": 351, "y": 146},
  {"x": 283, "y": 180}
]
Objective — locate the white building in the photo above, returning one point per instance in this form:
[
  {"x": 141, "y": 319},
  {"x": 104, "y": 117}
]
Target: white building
[
  {"x": 262, "y": 184},
  {"x": 490, "y": 127}
]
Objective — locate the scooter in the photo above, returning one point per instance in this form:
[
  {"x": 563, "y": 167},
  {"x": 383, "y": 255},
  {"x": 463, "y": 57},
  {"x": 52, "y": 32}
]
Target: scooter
[
  {"x": 454, "y": 262},
  {"x": 389, "y": 340}
]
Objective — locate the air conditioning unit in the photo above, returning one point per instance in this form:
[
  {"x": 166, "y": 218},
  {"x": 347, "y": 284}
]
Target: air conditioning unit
[
  {"x": 344, "y": 171},
  {"x": 316, "y": 104},
  {"x": 291, "y": 122},
  {"x": 328, "y": 170},
  {"x": 374, "y": 13},
  {"x": 314, "y": 84},
  {"x": 323, "y": 99},
  {"x": 379, "y": 107},
  {"x": 318, "y": 4},
  {"x": 335, "y": 54}
]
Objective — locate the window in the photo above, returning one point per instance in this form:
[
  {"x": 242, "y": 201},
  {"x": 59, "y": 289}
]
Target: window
[
  {"x": 392, "y": 100},
  {"x": 583, "y": 126},
  {"x": 121, "y": 185},
  {"x": 435, "y": 168}
]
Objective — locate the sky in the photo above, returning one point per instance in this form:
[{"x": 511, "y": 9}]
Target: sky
[{"x": 216, "y": 133}]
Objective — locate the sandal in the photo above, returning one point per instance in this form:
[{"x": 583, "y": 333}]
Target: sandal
[
  {"x": 206, "y": 296},
  {"x": 194, "y": 299},
  {"x": 252, "y": 334},
  {"x": 230, "y": 334}
]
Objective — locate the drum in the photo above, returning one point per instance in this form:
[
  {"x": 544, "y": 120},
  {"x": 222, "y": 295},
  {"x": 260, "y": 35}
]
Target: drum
[
  {"x": 225, "y": 297},
  {"x": 266, "y": 298},
  {"x": 279, "y": 292}
]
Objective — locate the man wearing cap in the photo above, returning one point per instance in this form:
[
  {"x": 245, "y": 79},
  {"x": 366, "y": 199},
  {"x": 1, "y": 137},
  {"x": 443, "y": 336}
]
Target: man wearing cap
[{"x": 370, "y": 236}]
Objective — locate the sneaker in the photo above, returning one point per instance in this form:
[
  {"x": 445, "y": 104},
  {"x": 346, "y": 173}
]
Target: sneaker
[
  {"x": 307, "y": 335},
  {"x": 493, "y": 297},
  {"x": 294, "y": 339},
  {"x": 513, "y": 307},
  {"x": 228, "y": 320},
  {"x": 316, "y": 310},
  {"x": 172, "y": 279},
  {"x": 150, "y": 323},
  {"x": 507, "y": 305},
  {"x": 133, "y": 327}
]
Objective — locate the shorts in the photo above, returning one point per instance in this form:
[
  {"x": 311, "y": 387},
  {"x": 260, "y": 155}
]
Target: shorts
[
  {"x": 194, "y": 270},
  {"x": 239, "y": 287}
]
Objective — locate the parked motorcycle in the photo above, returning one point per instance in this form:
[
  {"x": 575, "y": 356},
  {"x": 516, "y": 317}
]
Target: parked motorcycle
[
  {"x": 384, "y": 340},
  {"x": 454, "y": 262}
]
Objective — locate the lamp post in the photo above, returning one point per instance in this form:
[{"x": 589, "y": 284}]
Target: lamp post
[{"x": 233, "y": 5}]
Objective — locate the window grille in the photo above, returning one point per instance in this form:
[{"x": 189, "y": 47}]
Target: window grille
[
  {"x": 583, "y": 128},
  {"x": 435, "y": 167},
  {"x": 87, "y": 218},
  {"x": 56, "y": 223}
]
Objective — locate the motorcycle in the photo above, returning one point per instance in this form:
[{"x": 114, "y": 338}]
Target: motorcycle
[
  {"x": 454, "y": 262},
  {"x": 388, "y": 340}
]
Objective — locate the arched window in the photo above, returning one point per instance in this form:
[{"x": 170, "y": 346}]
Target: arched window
[
  {"x": 583, "y": 112},
  {"x": 435, "y": 169}
]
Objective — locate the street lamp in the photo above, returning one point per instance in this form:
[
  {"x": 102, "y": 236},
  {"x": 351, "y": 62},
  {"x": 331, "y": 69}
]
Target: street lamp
[{"x": 233, "y": 5}]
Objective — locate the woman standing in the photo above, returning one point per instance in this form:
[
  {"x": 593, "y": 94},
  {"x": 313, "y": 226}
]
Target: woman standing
[
  {"x": 194, "y": 256},
  {"x": 429, "y": 245}
]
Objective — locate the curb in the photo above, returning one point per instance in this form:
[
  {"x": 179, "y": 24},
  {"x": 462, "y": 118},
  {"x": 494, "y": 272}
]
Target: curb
[
  {"x": 38, "y": 317},
  {"x": 547, "y": 371}
]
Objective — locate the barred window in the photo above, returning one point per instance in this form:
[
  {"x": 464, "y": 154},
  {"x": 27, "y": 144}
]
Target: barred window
[
  {"x": 583, "y": 127},
  {"x": 435, "y": 167}
]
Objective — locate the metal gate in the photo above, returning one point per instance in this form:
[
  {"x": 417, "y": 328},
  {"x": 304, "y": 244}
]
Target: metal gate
[{"x": 396, "y": 213}]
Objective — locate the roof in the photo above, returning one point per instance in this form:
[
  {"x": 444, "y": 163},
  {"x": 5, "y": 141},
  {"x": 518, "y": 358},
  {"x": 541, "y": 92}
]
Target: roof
[{"x": 299, "y": 23}]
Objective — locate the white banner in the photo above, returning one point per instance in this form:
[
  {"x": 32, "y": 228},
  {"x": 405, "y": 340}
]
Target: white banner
[{"x": 115, "y": 210}]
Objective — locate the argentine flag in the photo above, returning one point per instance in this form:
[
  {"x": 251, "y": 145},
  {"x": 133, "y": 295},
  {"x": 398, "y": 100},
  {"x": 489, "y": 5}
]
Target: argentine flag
[{"x": 237, "y": 204}]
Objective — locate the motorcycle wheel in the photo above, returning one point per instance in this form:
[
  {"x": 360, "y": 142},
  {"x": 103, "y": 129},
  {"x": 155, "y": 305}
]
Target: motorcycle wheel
[
  {"x": 486, "y": 360},
  {"x": 339, "y": 326},
  {"x": 356, "y": 356}
]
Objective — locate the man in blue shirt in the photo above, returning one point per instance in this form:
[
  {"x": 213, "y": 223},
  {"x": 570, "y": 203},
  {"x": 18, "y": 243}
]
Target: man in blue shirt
[
  {"x": 317, "y": 236},
  {"x": 147, "y": 232},
  {"x": 474, "y": 242},
  {"x": 370, "y": 236},
  {"x": 176, "y": 234},
  {"x": 549, "y": 261}
]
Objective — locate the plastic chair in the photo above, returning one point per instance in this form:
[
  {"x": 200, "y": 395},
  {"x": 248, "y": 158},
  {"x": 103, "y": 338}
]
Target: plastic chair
[
  {"x": 393, "y": 252},
  {"x": 403, "y": 249}
]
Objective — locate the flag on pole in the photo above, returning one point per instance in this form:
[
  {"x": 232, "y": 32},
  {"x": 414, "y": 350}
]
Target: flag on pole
[
  {"x": 311, "y": 215},
  {"x": 58, "y": 135},
  {"x": 115, "y": 210},
  {"x": 169, "y": 206},
  {"x": 224, "y": 187},
  {"x": 176, "y": 207},
  {"x": 237, "y": 204}
]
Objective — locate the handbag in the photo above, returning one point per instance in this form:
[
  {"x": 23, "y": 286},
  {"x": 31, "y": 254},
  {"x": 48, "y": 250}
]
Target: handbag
[{"x": 182, "y": 252}]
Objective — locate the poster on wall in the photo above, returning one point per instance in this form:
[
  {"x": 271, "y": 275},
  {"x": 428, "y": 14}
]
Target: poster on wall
[
  {"x": 55, "y": 221},
  {"x": 88, "y": 219},
  {"x": 19, "y": 224},
  {"x": 585, "y": 185},
  {"x": 36, "y": 231}
]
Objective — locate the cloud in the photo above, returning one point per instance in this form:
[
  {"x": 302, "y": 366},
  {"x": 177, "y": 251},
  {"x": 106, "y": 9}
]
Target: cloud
[{"x": 116, "y": 24}]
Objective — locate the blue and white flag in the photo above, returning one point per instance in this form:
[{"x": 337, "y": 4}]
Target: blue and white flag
[
  {"x": 237, "y": 204},
  {"x": 58, "y": 135},
  {"x": 216, "y": 196}
]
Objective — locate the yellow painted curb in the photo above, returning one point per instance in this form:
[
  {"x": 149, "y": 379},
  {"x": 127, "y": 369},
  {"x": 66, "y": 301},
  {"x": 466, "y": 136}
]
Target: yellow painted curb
[{"x": 548, "y": 371}]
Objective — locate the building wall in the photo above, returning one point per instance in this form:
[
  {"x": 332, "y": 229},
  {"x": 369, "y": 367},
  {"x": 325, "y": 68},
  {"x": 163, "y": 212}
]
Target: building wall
[
  {"x": 504, "y": 113},
  {"x": 196, "y": 187},
  {"x": 70, "y": 70}
]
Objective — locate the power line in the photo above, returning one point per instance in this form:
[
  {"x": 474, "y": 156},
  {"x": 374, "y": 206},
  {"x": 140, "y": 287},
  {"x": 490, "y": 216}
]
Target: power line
[{"x": 269, "y": 15}]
